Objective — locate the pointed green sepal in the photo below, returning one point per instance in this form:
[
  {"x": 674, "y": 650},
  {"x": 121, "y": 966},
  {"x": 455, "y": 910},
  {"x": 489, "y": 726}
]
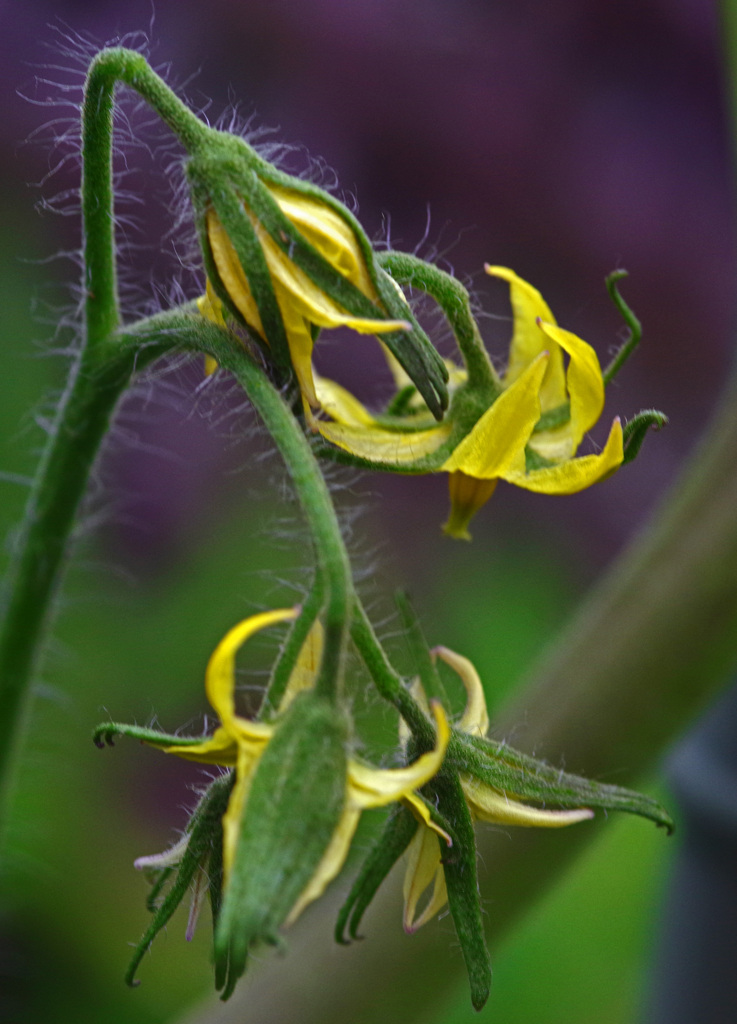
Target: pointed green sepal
[
  {"x": 636, "y": 429},
  {"x": 198, "y": 852},
  {"x": 423, "y": 662},
  {"x": 521, "y": 776},
  {"x": 461, "y": 879},
  {"x": 634, "y": 333},
  {"x": 395, "y": 837},
  {"x": 106, "y": 733}
]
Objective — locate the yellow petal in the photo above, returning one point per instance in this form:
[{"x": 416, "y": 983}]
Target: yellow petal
[
  {"x": 475, "y": 719},
  {"x": 231, "y": 272},
  {"x": 385, "y": 446},
  {"x": 211, "y": 308},
  {"x": 329, "y": 233},
  {"x": 467, "y": 496},
  {"x": 314, "y": 304},
  {"x": 376, "y": 787},
  {"x": 575, "y": 474},
  {"x": 220, "y": 748},
  {"x": 584, "y": 381},
  {"x": 245, "y": 768},
  {"x": 220, "y": 675},
  {"x": 528, "y": 340},
  {"x": 497, "y": 442},
  {"x": 422, "y": 812},
  {"x": 332, "y": 861},
  {"x": 300, "y": 341},
  {"x": 340, "y": 404},
  {"x": 489, "y": 804},
  {"x": 423, "y": 869},
  {"x": 307, "y": 665}
]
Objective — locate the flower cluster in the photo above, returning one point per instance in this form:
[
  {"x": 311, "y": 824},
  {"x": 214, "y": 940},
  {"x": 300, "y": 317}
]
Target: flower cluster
[{"x": 284, "y": 259}]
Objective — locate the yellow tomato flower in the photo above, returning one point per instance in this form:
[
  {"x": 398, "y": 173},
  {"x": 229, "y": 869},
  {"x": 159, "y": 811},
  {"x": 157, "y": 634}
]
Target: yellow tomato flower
[
  {"x": 528, "y": 435},
  {"x": 302, "y": 303},
  {"x": 486, "y": 803},
  {"x": 240, "y": 743}
]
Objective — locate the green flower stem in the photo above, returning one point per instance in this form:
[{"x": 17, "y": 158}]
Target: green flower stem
[
  {"x": 424, "y": 665},
  {"x": 634, "y": 327},
  {"x": 107, "y": 69},
  {"x": 287, "y": 659},
  {"x": 454, "y": 300},
  {"x": 120, "y": 65},
  {"x": 387, "y": 681},
  {"x": 311, "y": 490}
]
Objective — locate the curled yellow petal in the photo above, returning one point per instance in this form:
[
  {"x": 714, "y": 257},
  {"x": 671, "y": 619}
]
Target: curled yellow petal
[
  {"x": 475, "y": 718},
  {"x": 332, "y": 861},
  {"x": 308, "y": 299},
  {"x": 497, "y": 442},
  {"x": 306, "y": 667},
  {"x": 231, "y": 272},
  {"x": 528, "y": 341},
  {"x": 376, "y": 787},
  {"x": 220, "y": 674},
  {"x": 489, "y": 804},
  {"x": 422, "y": 812},
  {"x": 584, "y": 381},
  {"x": 328, "y": 232},
  {"x": 220, "y": 748},
  {"x": 423, "y": 869},
  {"x": 340, "y": 404},
  {"x": 575, "y": 474},
  {"x": 245, "y": 768}
]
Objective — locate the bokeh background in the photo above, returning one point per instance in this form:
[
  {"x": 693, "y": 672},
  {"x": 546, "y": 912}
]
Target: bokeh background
[{"x": 563, "y": 140}]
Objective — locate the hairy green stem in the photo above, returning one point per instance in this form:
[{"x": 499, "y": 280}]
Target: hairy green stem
[
  {"x": 387, "y": 681},
  {"x": 454, "y": 300},
  {"x": 289, "y": 653},
  {"x": 61, "y": 481},
  {"x": 317, "y": 507}
]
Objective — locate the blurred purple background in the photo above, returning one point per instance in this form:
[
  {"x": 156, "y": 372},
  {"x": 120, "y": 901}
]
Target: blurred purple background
[{"x": 563, "y": 140}]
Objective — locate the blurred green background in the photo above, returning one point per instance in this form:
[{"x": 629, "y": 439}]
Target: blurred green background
[{"x": 560, "y": 144}]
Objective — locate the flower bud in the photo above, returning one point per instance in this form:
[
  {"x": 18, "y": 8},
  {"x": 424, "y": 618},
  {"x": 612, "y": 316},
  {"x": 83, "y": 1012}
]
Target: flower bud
[
  {"x": 286, "y": 259},
  {"x": 294, "y": 803}
]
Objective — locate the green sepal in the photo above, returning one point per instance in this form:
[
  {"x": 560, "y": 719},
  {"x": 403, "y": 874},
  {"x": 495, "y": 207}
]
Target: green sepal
[
  {"x": 395, "y": 837},
  {"x": 400, "y": 404},
  {"x": 210, "y": 187},
  {"x": 636, "y": 429},
  {"x": 201, "y": 853},
  {"x": 289, "y": 653},
  {"x": 424, "y": 664},
  {"x": 461, "y": 879},
  {"x": 455, "y": 303},
  {"x": 552, "y": 418},
  {"x": 105, "y": 734},
  {"x": 634, "y": 326},
  {"x": 293, "y": 808},
  {"x": 520, "y": 775}
]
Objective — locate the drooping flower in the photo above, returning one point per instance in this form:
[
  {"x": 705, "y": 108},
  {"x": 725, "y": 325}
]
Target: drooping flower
[
  {"x": 302, "y": 304},
  {"x": 287, "y": 259},
  {"x": 240, "y": 743},
  {"x": 424, "y": 869},
  {"x": 527, "y": 432}
]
